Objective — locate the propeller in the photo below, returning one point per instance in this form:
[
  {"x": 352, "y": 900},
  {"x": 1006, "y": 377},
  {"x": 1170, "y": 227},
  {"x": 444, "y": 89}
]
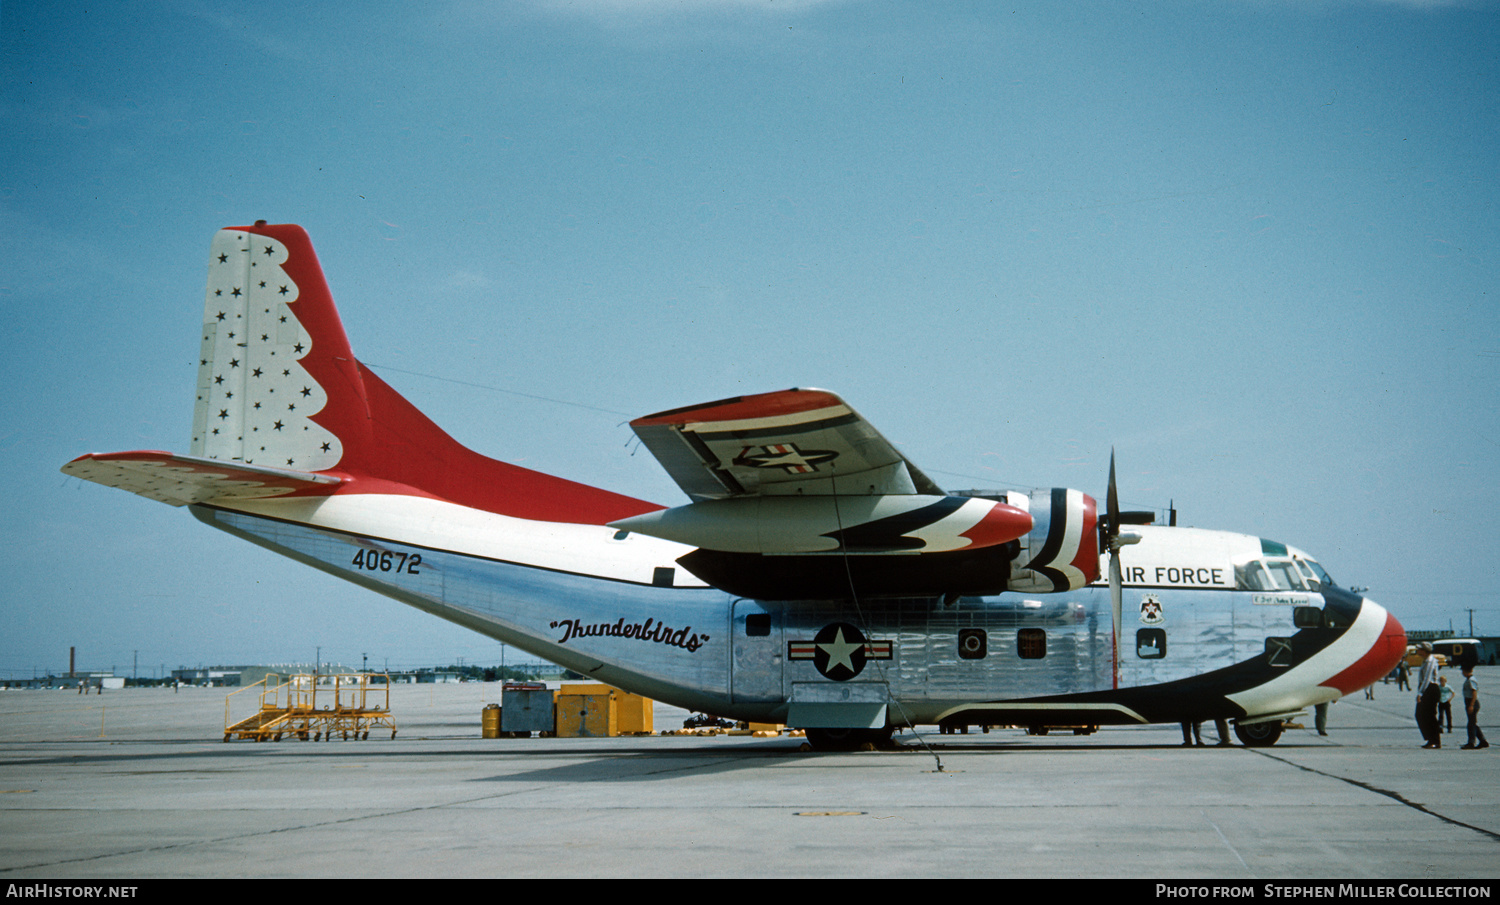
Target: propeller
[{"x": 1114, "y": 539}]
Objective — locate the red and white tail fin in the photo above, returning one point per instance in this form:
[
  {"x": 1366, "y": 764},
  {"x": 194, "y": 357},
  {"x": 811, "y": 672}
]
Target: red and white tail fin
[
  {"x": 280, "y": 391},
  {"x": 256, "y": 397}
]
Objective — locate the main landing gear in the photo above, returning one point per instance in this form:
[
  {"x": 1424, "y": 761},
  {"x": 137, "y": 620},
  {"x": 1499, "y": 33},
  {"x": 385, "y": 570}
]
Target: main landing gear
[{"x": 848, "y": 739}]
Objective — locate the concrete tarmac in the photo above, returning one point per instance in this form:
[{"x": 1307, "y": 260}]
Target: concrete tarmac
[{"x": 137, "y": 784}]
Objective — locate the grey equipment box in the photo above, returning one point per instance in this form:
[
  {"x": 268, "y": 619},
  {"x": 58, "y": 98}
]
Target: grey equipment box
[{"x": 526, "y": 707}]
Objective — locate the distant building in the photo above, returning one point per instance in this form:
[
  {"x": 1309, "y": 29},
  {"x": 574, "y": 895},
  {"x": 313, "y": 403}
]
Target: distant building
[
  {"x": 230, "y": 676},
  {"x": 249, "y": 675},
  {"x": 105, "y": 679},
  {"x": 208, "y": 675}
]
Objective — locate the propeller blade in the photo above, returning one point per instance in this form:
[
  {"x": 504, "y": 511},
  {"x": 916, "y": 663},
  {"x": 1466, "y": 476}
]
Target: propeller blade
[
  {"x": 1116, "y": 605},
  {"x": 1113, "y": 501},
  {"x": 1114, "y": 538},
  {"x": 1116, "y": 591}
]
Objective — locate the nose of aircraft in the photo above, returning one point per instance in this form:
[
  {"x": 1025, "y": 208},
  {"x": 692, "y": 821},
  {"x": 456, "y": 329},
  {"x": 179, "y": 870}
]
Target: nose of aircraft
[
  {"x": 1386, "y": 650},
  {"x": 1395, "y": 641}
]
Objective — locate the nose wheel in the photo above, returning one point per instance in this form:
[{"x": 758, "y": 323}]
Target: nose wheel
[{"x": 1258, "y": 735}]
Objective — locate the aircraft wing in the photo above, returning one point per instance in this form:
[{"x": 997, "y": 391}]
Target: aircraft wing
[
  {"x": 792, "y": 442},
  {"x": 184, "y": 480}
]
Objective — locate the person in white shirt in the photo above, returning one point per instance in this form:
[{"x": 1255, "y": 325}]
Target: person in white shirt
[{"x": 1427, "y": 697}]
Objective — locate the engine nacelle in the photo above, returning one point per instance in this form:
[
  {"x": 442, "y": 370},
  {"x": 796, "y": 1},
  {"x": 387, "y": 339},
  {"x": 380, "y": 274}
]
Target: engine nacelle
[{"x": 1061, "y": 552}]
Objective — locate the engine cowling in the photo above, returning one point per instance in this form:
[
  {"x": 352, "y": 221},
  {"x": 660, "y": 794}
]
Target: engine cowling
[{"x": 1061, "y": 552}]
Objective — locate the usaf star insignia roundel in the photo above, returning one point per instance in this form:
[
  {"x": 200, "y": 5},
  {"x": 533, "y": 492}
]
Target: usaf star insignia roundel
[
  {"x": 785, "y": 456},
  {"x": 839, "y": 651}
]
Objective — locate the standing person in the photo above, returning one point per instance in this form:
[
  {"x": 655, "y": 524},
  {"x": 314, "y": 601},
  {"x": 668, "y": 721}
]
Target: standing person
[
  {"x": 1471, "y": 707},
  {"x": 1445, "y": 705},
  {"x": 1191, "y": 730},
  {"x": 1427, "y": 697}
]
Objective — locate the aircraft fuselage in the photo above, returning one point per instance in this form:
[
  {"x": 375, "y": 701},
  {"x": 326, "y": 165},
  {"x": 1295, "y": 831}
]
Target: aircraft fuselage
[{"x": 1187, "y": 652}]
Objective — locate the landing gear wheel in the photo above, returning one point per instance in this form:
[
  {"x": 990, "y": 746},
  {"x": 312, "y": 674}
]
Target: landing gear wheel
[
  {"x": 848, "y": 739},
  {"x": 1258, "y": 735}
]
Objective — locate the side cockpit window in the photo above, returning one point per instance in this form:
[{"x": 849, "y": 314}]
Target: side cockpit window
[{"x": 1252, "y": 576}]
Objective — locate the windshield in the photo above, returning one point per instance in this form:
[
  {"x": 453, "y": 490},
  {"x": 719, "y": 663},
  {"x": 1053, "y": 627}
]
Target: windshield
[
  {"x": 1281, "y": 575},
  {"x": 1324, "y": 579}
]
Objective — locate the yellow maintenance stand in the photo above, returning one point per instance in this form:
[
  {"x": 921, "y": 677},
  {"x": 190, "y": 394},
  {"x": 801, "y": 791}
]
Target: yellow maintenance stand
[{"x": 351, "y": 708}]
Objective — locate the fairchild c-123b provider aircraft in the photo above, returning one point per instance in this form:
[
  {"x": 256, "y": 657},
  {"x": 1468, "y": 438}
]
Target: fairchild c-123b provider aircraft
[{"x": 816, "y": 577}]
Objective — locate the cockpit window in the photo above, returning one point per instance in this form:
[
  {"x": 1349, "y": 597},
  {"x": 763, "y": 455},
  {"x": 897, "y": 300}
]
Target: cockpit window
[
  {"x": 1274, "y": 575},
  {"x": 1252, "y": 576},
  {"x": 1309, "y": 580},
  {"x": 1324, "y": 579},
  {"x": 1288, "y": 578}
]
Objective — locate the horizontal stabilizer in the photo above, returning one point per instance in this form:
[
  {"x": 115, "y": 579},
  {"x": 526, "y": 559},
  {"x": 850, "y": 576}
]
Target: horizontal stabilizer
[{"x": 185, "y": 480}]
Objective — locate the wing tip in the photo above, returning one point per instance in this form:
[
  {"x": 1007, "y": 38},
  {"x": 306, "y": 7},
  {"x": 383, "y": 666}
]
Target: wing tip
[{"x": 794, "y": 401}]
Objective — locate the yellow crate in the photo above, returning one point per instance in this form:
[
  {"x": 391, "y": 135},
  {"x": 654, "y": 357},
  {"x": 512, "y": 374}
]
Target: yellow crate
[
  {"x": 587, "y": 715},
  {"x": 596, "y": 710},
  {"x": 635, "y": 713}
]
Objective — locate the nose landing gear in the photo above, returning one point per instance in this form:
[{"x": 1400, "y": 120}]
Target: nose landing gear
[{"x": 1258, "y": 735}]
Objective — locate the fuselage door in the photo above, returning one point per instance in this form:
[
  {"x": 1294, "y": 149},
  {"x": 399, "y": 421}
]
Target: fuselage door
[{"x": 757, "y": 651}]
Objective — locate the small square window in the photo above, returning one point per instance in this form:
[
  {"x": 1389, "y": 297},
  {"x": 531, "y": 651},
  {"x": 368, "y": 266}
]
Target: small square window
[
  {"x": 1031, "y": 643},
  {"x": 758, "y": 625},
  {"x": 1279, "y": 651},
  {"x": 1151, "y": 643}
]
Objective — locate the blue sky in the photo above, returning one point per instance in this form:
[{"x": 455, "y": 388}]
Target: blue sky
[{"x": 1252, "y": 246}]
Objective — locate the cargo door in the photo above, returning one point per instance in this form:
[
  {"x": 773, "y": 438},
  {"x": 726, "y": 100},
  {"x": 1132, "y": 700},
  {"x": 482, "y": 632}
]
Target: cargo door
[{"x": 758, "y": 652}]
